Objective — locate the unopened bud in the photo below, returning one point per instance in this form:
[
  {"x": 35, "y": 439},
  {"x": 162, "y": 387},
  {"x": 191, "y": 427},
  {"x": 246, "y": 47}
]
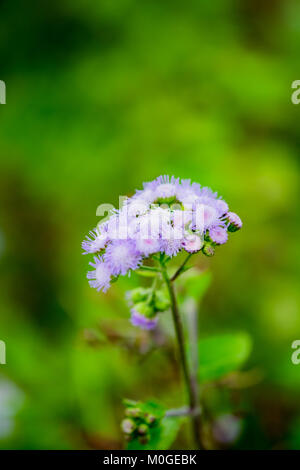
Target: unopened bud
[
  {"x": 150, "y": 419},
  {"x": 235, "y": 222},
  {"x": 128, "y": 426},
  {"x": 138, "y": 295},
  {"x": 208, "y": 250},
  {"x": 143, "y": 429},
  {"x": 144, "y": 308},
  {"x": 161, "y": 301}
]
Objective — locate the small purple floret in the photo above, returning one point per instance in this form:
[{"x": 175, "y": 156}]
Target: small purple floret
[
  {"x": 141, "y": 321},
  {"x": 234, "y": 219},
  {"x": 121, "y": 256},
  {"x": 218, "y": 235}
]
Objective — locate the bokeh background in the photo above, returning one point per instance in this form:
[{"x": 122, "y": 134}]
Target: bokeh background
[{"x": 102, "y": 96}]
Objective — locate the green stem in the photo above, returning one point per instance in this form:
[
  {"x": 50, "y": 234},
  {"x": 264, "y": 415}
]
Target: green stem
[
  {"x": 190, "y": 381},
  {"x": 180, "y": 269}
]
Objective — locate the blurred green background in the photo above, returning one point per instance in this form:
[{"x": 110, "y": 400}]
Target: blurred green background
[{"x": 102, "y": 96}]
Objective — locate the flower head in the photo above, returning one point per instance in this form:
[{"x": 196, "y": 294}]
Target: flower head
[
  {"x": 121, "y": 256},
  {"x": 192, "y": 243},
  {"x": 218, "y": 235},
  {"x": 95, "y": 242},
  {"x": 163, "y": 187},
  {"x": 182, "y": 218},
  {"x": 147, "y": 246},
  {"x": 152, "y": 224},
  {"x": 100, "y": 277},
  {"x": 204, "y": 217},
  {"x": 221, "y": 206},
  {"x": 235, "y": 222},
  {"x": 172, "y": 241}
]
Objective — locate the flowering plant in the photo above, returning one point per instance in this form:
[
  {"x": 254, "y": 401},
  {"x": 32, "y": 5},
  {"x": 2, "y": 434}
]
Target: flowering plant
[{"x": 166, "y": 217}]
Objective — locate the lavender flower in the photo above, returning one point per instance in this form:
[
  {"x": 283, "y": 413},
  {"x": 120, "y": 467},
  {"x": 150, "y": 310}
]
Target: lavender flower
[
  {"x": 163, "y": 186},
  {"x": 95, "y": 242},
  {"x": 207, "y": 192},
  {"x": 172, "y": 241},
  {"x": 147, "y": 246},
  {"x": 218, "y": 235},
  {"x": 101, "y": 276},
  {"x": 188, "y": 193},
  {"x": 192, "y": 243},
  {"x": 221, "y": 206},
  {"x": 167, "y": 187},
  {"x": 121, "y": 256},
  {"x": 139, "y": 320},
  {"x": 235, "y": 222},
  {"x": 204, "y": 217},
  {"x": 153, "y": 224},
  {"x": 182, "y": 218}
]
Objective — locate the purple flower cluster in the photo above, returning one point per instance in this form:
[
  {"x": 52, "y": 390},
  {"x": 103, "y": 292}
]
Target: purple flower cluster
[{"x": 168, "y": 215}]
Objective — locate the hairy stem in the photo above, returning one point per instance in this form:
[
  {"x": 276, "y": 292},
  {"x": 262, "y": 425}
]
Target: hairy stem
[{"x": 190, "y": 381}]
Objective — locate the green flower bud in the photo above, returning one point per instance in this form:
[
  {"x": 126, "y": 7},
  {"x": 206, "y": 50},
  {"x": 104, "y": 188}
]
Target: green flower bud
[
  {"x": 128, "y": 426},
  {"x": 138, "y": 295},
  {"x": 150, "y": 419},
  {"x": 234, "y": 221},
  {"x": 146, "y": 309},
  {"x": 161, "y": 301},
  {"x": 208, "y": 250},
  {"x": 143, "y": 429}
]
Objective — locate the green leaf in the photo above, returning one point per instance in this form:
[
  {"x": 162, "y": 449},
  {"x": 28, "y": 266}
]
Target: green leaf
[{"x": 219, "y": 355}]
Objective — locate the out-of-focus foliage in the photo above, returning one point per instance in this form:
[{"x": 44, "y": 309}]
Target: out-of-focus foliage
[
  {"x": 194, "y": 284},
  {"x": 102, "y": 96},
  {"x": 219, "y": 355}
]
